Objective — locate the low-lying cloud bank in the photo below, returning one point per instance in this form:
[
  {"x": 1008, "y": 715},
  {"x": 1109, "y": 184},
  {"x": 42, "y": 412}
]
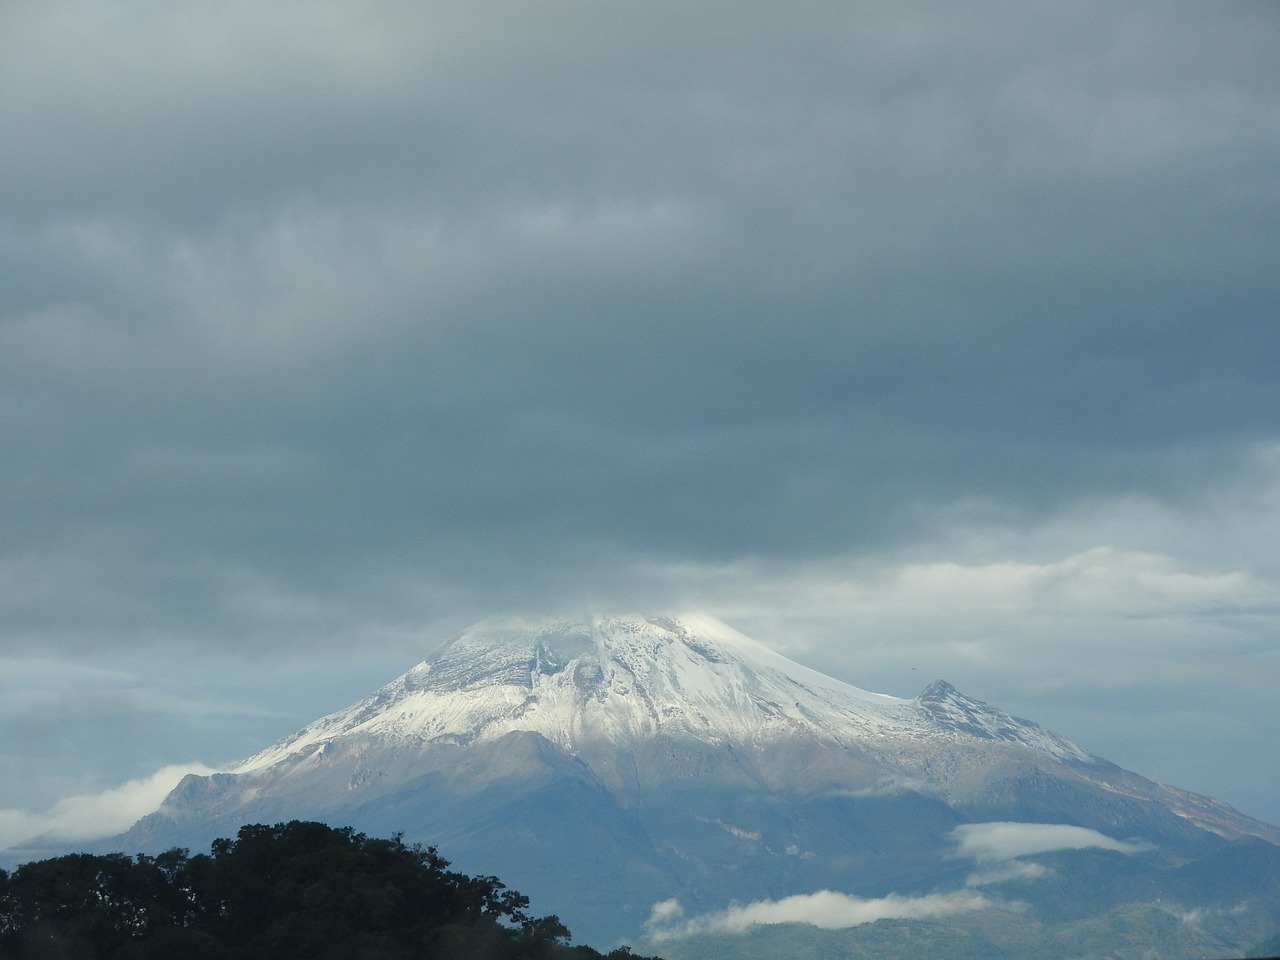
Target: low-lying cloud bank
[
  {"x": 996, "y": 847},
  {"x": 1002, "y": 840},
  {"x": 826, "y": 909},
  {"x": 92, "y": 816}
]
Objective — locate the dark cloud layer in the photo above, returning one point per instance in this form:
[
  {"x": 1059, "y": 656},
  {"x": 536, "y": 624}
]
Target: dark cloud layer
[{"x": 322, "y": 321}]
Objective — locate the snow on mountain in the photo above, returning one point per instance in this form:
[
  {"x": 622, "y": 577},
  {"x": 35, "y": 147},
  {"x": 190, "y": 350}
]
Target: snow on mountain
[
  {"x": 645, "y": 702},
  {"x": 624, "y": 680}
]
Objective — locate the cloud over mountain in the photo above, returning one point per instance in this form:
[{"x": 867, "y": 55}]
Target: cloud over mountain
[
  {"x": 949, "y": 332},
  {"x": 98, "y": 815},
  {"x": 824, "y": 908},
  {"x": 987, "y": 842}
]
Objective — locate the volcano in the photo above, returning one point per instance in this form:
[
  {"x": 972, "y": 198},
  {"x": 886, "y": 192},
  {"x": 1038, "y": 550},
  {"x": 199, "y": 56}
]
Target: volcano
[{"x": 607, "y": 765}]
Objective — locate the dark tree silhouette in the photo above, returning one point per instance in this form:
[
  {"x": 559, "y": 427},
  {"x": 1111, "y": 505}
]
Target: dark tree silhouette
[{"x": 293, "y": 890}]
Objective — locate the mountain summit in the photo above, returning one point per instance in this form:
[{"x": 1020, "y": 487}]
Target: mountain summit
[
  {"x": 615, "y": 683},
  {"x": 604, "y": 765}
]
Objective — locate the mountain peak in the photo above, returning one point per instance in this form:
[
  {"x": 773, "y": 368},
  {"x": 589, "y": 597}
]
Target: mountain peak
[
  {"x": 938, "y": 690},
  {"x": 600, "y": 683},
  {"x": 619, "y": 680},
  {"x": 952, "y": 710}
]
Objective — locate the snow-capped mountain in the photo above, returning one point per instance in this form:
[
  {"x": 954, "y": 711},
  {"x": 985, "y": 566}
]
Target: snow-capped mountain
[
  {"x": 619, "y": 681},
  {"x": 606, "y": 764}
]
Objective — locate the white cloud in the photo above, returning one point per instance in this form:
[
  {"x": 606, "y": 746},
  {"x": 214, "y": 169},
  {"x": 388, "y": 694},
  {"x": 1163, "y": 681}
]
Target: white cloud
[
  {"x": 92, "y": 816},
  {"x": 1100, "y": 619},
  {"x": 826, "y": 908},
  {"x": 1096, "y": 583},
  {"x": 892, "y": 785},
  {"x": 664, "y": 913},
  {"x": 1006, "y": 872},
  {"x": 990, "y": 844},
  {"x": 1000, "y": 840}
]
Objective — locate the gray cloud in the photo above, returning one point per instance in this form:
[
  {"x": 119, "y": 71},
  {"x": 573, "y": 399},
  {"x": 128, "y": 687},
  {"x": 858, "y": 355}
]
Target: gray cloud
[{"x": 330, "y": 326}]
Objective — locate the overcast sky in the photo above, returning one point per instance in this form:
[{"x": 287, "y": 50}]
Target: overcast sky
[{"x": 915, "y": 341}]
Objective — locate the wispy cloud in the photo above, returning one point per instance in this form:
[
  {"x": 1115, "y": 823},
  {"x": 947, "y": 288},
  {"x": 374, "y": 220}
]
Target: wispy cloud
[
  {"x": 91, "y": 816},
  {"x": 1005, "y": 872},
  {"x": 1001, "y": 840},
  {"x": 826, "y": 908},
  {"x": 996, "y": 847}
]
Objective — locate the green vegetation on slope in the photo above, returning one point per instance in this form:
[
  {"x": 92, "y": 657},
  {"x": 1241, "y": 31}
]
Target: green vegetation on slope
[{"x": 293, "y": 890}]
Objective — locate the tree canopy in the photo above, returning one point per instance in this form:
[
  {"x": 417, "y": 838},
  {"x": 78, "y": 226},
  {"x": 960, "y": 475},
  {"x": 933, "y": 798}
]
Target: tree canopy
[{"x": 292, "y": 890}]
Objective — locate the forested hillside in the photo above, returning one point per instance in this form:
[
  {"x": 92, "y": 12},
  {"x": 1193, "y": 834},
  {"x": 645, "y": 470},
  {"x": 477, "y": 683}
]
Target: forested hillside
[{"x": 293, "y": 890}]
